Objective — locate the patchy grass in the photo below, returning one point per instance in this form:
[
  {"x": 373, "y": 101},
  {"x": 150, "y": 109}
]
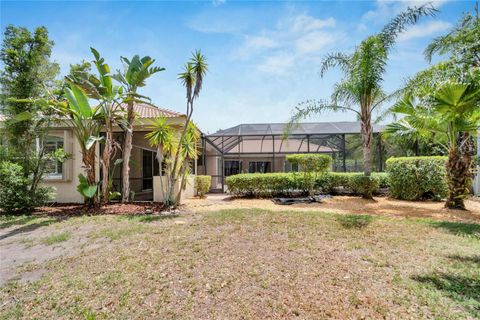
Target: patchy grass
[
  {"x": 250, "y": 264},
  {"x": 56, "y": 238},
  {"x": 350, "y": 221}
]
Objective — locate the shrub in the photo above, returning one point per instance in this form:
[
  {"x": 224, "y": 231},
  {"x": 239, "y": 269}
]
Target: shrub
[
  {"x": 311, "y": 162},
  {"x": 15, "y": 195},
  {"x": 364, "y": 185},
  {"x": 311, "y": 165},
  {"x": 414, "y": 178},
  {"x": 261, "y": 184},
  {"x": 331, "y": 180},
  {"x": 267, "y": 184},
  {"x": 202, "y": 184}
]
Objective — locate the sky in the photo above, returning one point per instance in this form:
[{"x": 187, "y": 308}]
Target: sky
[{"x": 264, "y": 56}]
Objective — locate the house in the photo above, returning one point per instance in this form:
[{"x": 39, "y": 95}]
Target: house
[
  {"x": 63, "y": 177},
  {"x": 244, "y": 148}
]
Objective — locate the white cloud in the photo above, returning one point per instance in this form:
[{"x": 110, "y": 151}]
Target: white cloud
[
  {"x": 295, "y": 38},
  {"x": 277, "y": 63},
  {"x": 314, "y": 41},
  {"x": 304, "y": 23},
  {"x": 260, "y": 42},
  {"x": 424, "y": 30}
]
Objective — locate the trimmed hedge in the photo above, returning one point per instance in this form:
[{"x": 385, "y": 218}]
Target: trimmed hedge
[
  {"x": 268, "y": 184},
  {"x": 202, "y": 184},
  {"x": 414, "y": 178},
  {"x": 311, "y": 162}
]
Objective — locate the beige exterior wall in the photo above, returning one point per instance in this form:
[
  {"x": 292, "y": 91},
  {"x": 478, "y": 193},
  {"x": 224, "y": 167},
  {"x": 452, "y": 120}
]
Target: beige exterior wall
[
  {"x": 189, "y": 191},
  {"x": 65, "y": 189}
]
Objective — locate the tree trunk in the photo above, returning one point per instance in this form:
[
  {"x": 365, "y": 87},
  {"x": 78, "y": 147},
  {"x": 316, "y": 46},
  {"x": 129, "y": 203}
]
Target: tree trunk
[
  {"x": 458, "y": 172},
  {"x": 172, "y": 181},
  {"x": 88, "y": 159},
  {"x": 106, "y": 160},
  {"x": 366, "y": 131},
  {"x": 127, "y": 151}
]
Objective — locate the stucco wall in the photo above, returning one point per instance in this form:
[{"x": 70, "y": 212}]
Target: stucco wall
[
  {"x": 66, "y": 188},
  {"x": 189, "y": 191}
]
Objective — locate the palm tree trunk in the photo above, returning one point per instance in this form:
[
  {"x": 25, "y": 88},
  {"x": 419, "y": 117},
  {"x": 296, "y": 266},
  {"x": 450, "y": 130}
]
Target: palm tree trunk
[
  {"x": 458, "y": 172},
  {"x": 127, "y": 151},
  {"x": 366, "y": 131},
  {"x": 88, "y": 159},
  {"x": 106, "y": 159}
]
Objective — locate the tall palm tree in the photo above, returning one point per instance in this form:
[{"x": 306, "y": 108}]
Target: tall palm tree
[
  {"x": 360, "y": 91},
  {"x": 192, "y": 79},
  {"x": 136, "y": 72}
]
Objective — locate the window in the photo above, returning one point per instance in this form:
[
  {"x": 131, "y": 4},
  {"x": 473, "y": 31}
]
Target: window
[
  {"x": 53, "y": 168},
  {"x": 232, "y": 167},
  {"x": 291, "y": 167},
  {"x": 259, "y": 167}
]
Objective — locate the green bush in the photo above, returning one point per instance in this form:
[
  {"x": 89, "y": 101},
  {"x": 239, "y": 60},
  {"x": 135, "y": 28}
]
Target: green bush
[
  {"x": 268, "y": 184},
  {"x": 261, "y": 184},
  {"x": 364, "y": 185},
  {"x": 311, "y": 166},
  {"x": 15, "y": 195},
  {"x": 414, "y": 178},
  {"x": 311, "y": 162},
  {"x": 202, "y": 184}
]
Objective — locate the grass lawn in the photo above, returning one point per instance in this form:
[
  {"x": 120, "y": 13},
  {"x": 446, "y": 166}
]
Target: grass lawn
[{"x": 251, "y": 263}]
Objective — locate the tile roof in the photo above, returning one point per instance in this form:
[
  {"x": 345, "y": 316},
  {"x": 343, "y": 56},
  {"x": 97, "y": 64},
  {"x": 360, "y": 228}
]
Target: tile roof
[
  {"x": 149, "y": 111},
  {"x": 143, "y": 111}
]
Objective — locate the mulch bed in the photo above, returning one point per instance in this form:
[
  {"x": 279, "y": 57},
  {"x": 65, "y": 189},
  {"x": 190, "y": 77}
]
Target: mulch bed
[{"x": 130, "y": 208}]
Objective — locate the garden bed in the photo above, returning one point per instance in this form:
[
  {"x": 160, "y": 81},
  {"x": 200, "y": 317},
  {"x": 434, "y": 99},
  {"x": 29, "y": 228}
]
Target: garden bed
[{"x": 73, "y": 209}]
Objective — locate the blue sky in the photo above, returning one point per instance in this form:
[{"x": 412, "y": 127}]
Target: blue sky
[{"x": 264, "y": 57}]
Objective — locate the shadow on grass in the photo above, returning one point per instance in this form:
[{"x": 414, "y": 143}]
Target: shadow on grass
[
  {"x": 27, "y": 227},
  {"x": 463, "y": 289},
  {"x": 147, "y": 218},
  {"x": 9, "y": 221},
  {"x": 466, "y": 259},
  {"x": 459, "y": 228},
  {"x": 354, "y": 221}
]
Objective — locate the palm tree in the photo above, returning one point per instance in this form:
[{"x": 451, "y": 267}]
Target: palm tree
[
  {"x": 450, "y": 114},
  {"x": 161, "y": 136},
  {"x": 192, "y": 79},
  {"x": 361, "y": 91},
  {"x": 136, "y": 72},
  {"x": 456, "y": 105}
]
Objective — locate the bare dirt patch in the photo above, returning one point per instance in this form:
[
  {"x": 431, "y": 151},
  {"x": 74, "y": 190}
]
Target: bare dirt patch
[
  {"x": 346, "y": 205},
  {"x": 132, "y": 208}
]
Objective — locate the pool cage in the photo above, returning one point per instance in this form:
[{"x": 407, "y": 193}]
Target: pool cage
[{"x": 261, "y": 148}]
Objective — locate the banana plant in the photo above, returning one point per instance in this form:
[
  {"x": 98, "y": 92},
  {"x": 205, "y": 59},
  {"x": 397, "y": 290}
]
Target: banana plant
[
  {"x": 134, "y": 75},
  {"x": 86, "y": 122}
]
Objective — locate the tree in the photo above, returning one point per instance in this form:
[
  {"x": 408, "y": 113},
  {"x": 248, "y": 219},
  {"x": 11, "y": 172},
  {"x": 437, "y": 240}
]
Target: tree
[
  {"x": 136, "y": 71},
  {"x": 360, "y": 91},
  {"x": 108, "y": 95},
  {"x": 161, "y": 136},
  {"x": 27, "y": 75},
  {"x": 448, "y": 99},
  {"x": 192, "y": 79},
  {"x": 451, "y": 113},
  {"x": 86, "y": 122}
]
